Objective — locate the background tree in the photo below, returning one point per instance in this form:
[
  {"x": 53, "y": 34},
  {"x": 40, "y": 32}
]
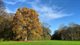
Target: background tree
[
  {"x": 70, "y": 32},
  {"x": 5, "y": 22},
  {"x": 46, "y": 31}
]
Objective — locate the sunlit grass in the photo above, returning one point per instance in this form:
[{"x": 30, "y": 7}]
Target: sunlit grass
[{"x": 48, "y": 42}]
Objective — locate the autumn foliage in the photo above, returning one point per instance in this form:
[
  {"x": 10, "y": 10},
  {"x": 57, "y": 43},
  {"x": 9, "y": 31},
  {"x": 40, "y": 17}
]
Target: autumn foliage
[{"x": 26, "y": 25}]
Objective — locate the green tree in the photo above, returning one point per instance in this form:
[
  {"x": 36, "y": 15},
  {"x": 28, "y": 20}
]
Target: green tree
[
  {"x": 70, "y": 32},
  {"x": 46, "y": 33}
]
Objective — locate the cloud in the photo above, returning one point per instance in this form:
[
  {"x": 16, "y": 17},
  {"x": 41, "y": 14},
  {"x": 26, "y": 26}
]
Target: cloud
[
  {"x": 13, "y": 2},
  {"x": 49, "y": 12},
  {"x": 9, "y": 11},
  {"x": 10, "y": 2},
  {"x": 45, "y": 11}
]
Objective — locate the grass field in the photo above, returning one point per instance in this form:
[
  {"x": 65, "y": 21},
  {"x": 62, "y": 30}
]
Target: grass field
[{"x": 52, "y": 42}]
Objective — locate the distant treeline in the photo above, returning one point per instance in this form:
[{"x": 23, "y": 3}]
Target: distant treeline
[{"x": 70, "y": 32}]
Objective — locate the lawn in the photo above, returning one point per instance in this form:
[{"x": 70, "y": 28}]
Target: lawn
[{"x": 52, "y": 42}]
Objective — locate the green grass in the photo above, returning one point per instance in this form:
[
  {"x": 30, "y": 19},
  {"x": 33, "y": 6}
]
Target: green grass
[{"x": 52, "y": 42}]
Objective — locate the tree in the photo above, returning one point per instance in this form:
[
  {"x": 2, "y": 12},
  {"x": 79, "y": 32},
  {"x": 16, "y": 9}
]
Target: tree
[
  {"x": 26, "y": 25},
  {"x": 46, "y": 31},
  {"x": 70, "y": 32},
  {"x": 5, "y": 23}
]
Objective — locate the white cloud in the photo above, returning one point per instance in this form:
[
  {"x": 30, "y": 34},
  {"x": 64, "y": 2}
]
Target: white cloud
[
  {"x": 45, "y": 11},
  {"x": 13, "y": 2},
  {"x": 10, "y": 2},
  {"x": 9, "y": 11},
  {"x": 49, "y": 12}
]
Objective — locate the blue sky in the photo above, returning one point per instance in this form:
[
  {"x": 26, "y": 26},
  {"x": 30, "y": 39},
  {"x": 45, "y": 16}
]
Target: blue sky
[{"x": 53, "y": 12}]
